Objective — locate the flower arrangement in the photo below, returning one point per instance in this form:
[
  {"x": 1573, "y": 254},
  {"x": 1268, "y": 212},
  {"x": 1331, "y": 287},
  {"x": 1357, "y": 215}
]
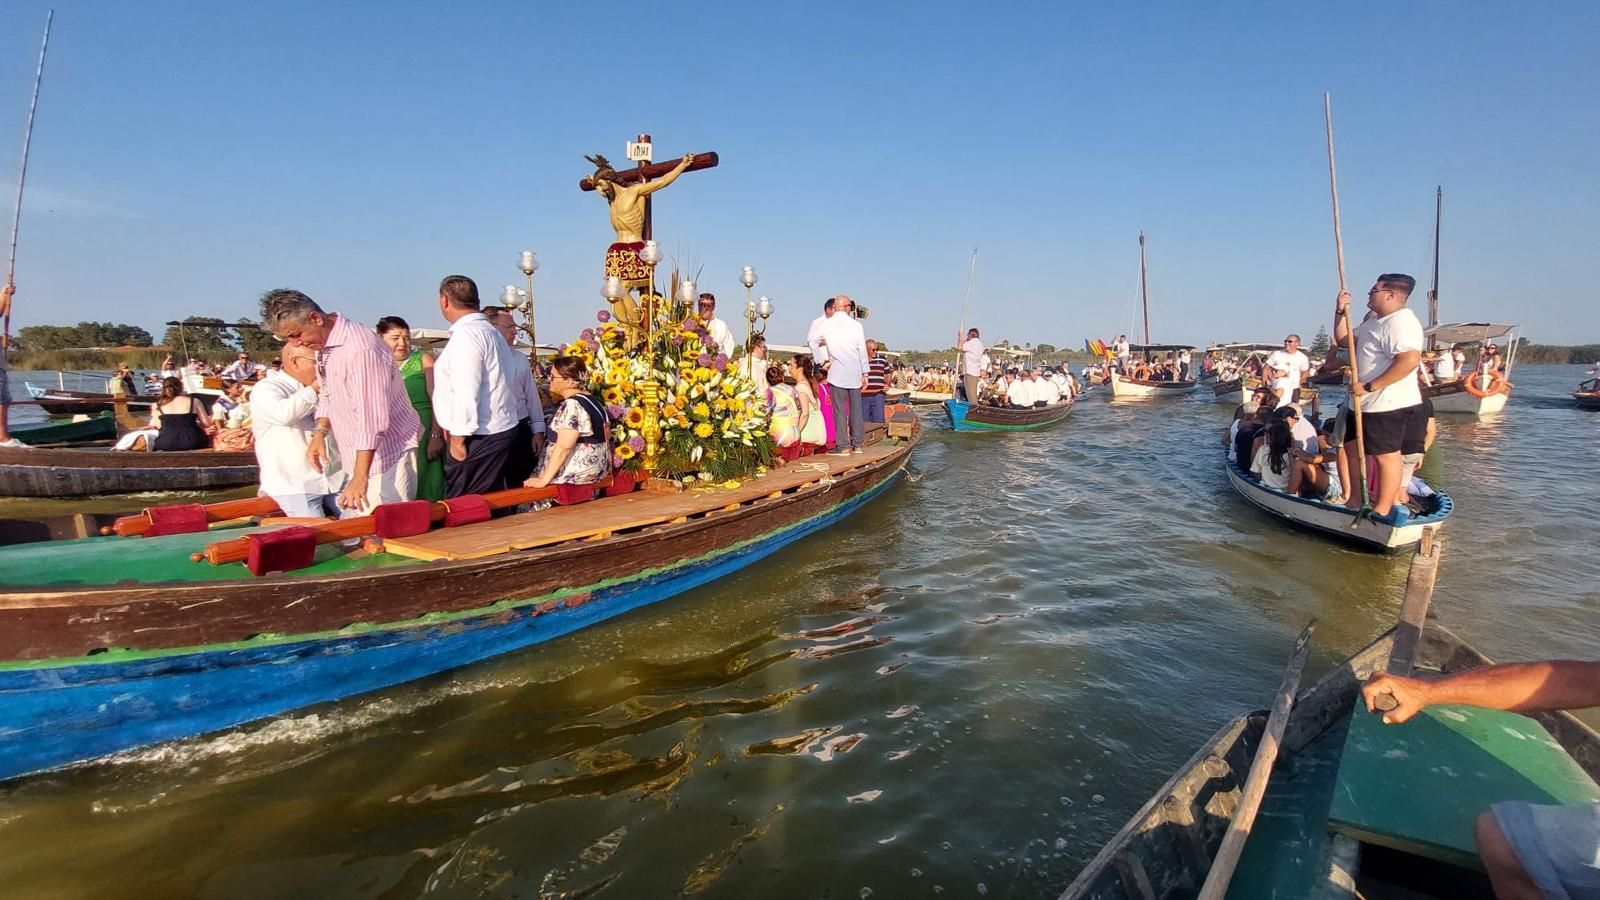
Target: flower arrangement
[{"x": 715, "y": 422}]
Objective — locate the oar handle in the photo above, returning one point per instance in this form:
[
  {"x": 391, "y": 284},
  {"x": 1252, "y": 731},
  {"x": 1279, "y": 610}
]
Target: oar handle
[{"x": 1385, "y": 702}]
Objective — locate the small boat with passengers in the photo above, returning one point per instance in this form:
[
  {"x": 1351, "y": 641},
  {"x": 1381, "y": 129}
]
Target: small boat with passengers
[
  {"x": 1339, "y": 522},
  {"x": 1479, "y": 390},
  {"x": 1354, "y": 808},
  {"x": 966, "y": 416},
  {"x": 1587, "y": 396},
  {"x": 1123, "y": 386},
  {"x": 111, "y": 643},
  {"x": 84, "y": 471}
]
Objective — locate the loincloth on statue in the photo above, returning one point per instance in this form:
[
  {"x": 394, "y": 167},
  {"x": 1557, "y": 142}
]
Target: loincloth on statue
[{"x": 622, "y": 261}]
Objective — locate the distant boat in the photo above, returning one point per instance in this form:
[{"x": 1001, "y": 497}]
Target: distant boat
[
  {"x": 99, "y": 428},
  {"x": 1473, "y": 392},
  {"x": 967, "y": 417},
  {"x": 80, "y": 472},
  {"x": 63, "y": 403},
  {"x": 1135, "y": 388},
  {"x": 1587, "y": 396}
]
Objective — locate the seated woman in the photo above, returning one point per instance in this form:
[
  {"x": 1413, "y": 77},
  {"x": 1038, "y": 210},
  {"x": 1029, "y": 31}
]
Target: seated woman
[
  {"x": 786, "y": 415},
  {"x": 180, "y": 422},
  {"x": 579, "y": 459},
  {"x": 813, "y": 429},
  {"x": 1273, "y": 464}
]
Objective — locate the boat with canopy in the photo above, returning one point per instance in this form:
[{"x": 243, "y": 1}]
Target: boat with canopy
[{"x": 1125, "y": 387}]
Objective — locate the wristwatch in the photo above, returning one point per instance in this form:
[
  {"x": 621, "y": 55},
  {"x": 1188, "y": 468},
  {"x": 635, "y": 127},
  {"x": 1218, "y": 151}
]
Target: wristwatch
[{"x": 1366, "y": 386}]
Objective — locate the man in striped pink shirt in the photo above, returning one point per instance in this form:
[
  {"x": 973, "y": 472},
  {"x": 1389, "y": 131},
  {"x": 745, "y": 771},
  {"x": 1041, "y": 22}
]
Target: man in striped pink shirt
[{"x": 360, "y": 399}]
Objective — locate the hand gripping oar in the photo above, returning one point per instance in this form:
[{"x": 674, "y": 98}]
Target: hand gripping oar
[
  {"x": 1413, "y": 614},
  {"x": 1255, "y": 785}
]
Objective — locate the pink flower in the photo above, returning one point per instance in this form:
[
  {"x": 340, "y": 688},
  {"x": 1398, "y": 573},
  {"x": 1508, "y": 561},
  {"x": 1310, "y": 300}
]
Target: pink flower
[
  {"x": 637, "y": 443},
  {"x": 586, "y": 335},
  {"x": 603, "y": 316}
]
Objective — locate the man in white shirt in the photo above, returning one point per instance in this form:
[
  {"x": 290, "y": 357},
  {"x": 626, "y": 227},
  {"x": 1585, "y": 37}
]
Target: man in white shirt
[
  {"x": 1445, "y": 369},
  {"x": 1384, "y": 382},
  {"x": 973, "y": 363},
  {"x": 282, "y": 417},
  {"x": 721, "y": 337},
  {"x": 1045, "y": 388},
  {"x": 847, "y": 374},
  {"x": 530, "y": 406},
  {"x": 1186, "y": 356},
  {"x": 476, "y": 397},
  {"x": 1020, "y": 392},
  {"x": 754, "y": 363},
  {"x": 1286, "y": 368},
  {"x": 1120, "y": 346},
  {"x": 814, "y": 338}
]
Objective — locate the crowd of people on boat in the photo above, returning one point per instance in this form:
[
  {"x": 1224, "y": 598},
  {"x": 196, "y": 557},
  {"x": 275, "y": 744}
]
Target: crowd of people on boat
[{"x": 1274, "y": 443}]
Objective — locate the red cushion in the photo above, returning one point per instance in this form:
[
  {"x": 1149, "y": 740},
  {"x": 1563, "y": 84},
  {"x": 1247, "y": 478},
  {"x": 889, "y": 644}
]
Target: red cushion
[
  {"x": 403, "y": 519},
  {"x": 569, "y": 494},
  {"x": 185, "y": 518},
  {"x": 465, "y": 510},
  {"x": 283, "y": 550},
  {"x": 621, "y": 483}
]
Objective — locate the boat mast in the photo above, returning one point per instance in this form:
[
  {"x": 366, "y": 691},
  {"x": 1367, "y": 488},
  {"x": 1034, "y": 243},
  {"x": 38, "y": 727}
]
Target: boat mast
[
  {"x": 1433, "y": 292},
  {"x": 1144, "y": 290},
  {"x": 22, "y": 179}
]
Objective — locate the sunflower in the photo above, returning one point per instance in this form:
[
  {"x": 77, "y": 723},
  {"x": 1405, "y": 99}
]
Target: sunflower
[
  {"x": 634, "y": 418},
  {"x": 612, "y": 395},
  {"x": 703, "y": 430},
  {"x": 624, "y": 451}
]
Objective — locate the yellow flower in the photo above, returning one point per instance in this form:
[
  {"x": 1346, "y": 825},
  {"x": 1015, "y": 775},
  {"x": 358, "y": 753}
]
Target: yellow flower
[
  {"x": 703, "y": 430},
  {"x": 634, "y": 418},
  {"x": 669, "y": 411},
  {"x": 612, "y": 395},
  {"x": 703, "y": 374},
  {"x": 683, "y": 421},
  {"x": 701, "y": 410},
  {"x": 625, "y": 451}
]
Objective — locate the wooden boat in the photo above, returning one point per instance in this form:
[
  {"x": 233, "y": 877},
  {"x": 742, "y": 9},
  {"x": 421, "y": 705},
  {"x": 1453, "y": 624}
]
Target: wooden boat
[
  {"x": 113, "y": 643},
  {"x": 967, "y": 417},
  {"x": 1336, "y": 521},
  {"x": 1587, "y": 396},
  {"x": 78, "y": 472},
  {"x": 99, "y": 428},
  {"x": 930, "y": 398},
  {"x": 1123, "y": 387},
  {"x": 1470, "y": 393},
  {"x": 63, "y": 403},
  {"x": 1355, "y": 808}
]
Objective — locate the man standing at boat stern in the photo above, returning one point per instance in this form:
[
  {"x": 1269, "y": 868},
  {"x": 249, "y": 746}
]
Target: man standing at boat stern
[
  {"x": 1388, "y": 351},
  {"x": 847, "y": 374},
  {"x": 361, "y": 401},
  {"x": 972, "y": 364},
  {"x": 6, "y": 440},
  {"x": 1287, "y": 367},
  {"x": 473, "y": 399}
]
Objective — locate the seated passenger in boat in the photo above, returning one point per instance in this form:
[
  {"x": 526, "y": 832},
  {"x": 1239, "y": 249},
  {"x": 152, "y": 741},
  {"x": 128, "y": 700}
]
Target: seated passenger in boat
[
  {"x": 786, "y": 415},
  {"x": 1528, "y": 850},
  {"x": 1019, "y": 393},
  {"x": 1273, "y": 462},
  {"x": 181, "y": 423},
  {"x": 1243, "y": 434},
  {"x": 813, "y": 429},
  {"x": 580, "y": 456},
  {"x": 1045, "y": 390}
]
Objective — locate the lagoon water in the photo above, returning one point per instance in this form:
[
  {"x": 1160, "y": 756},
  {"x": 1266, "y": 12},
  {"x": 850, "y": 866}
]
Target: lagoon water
[{"x": 963, "y": 690}]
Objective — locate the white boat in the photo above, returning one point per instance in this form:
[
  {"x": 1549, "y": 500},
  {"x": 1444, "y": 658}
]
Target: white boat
[
  {"x": 1473, "y": 393},
  {"x": 1136, "y": 389},
  {"x": 1337, "y": 522}
]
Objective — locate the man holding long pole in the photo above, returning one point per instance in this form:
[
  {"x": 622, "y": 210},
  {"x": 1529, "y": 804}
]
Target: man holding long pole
[{"x": 1388, "y": 349}]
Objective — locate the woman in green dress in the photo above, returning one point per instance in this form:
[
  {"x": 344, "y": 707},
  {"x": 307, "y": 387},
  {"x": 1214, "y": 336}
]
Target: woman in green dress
[{"x": 416, "y": 369}]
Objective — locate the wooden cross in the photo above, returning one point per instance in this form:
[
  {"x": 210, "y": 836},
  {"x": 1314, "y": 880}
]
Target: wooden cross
[{"x": 643, "y": 172}]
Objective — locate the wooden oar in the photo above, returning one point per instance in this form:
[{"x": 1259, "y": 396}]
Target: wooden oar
[
  {"x": 1413, "y": 613},
  {"x": 129, "y": 526},
  {"x": 1349, "y": 326},
  {"x": 1255, "y": 785},
  {"x": 238, "y": 549}
]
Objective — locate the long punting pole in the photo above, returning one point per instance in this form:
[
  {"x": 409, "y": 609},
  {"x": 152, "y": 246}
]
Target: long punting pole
[
  {"x": 1255, "y": 784},
  {"x": 1433, "y": 290},
  {"x": 962, "y": 334},
  {"x": 1350, "y": 328},
  {"x": 22, "y": 179},
  {"x": 1144, "y": 290}
]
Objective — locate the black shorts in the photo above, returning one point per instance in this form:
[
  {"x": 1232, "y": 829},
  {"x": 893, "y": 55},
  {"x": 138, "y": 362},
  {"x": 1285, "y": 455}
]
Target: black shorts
[
  {"x": 1383, "y": 432},
  {"x": 1416, "y": 440}
]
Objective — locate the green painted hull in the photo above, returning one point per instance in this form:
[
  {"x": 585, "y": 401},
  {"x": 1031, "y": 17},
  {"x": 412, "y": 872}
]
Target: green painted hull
[{"x": 100, "y": 428}]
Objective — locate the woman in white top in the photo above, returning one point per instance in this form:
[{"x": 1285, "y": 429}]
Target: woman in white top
[
  {"x": 813, "y": 430},
  {"x": 1274, "y": 461}
]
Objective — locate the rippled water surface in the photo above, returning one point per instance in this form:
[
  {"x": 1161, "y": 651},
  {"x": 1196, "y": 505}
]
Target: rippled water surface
[{"x": 965, "y": 689}]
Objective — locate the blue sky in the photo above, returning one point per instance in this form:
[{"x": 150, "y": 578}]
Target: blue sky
[{"x": 189, "y": 156}]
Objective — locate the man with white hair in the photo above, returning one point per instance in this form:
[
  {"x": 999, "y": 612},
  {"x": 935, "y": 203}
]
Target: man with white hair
[{"x": 281, "y": 417}]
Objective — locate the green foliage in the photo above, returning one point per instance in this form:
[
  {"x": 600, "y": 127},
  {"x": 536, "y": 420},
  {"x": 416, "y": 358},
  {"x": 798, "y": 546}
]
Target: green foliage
[
  {"x": 260, "y": 343},
  {"x": 82, "y": 335},
  {"x": 85, "y": 360},
  {"x": 203, "y": 343},
  {"x": 1320, "y": 343},
  {"x": 1044, "y": 349},
  {"x": 1532, "y": 354}
]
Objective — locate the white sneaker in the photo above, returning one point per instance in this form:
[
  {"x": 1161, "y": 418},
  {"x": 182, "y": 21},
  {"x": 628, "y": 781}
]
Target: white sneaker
[{"x": 14, "y": 443}]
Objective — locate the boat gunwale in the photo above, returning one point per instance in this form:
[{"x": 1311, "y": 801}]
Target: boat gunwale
[{"x": 1239, "y": 482}]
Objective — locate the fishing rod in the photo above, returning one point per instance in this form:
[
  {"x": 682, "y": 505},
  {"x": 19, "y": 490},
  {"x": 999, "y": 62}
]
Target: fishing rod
[{"x": 22, "y": 180}]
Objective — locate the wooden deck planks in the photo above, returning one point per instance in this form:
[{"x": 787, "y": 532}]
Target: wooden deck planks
[{"x": 607, "y": 516}]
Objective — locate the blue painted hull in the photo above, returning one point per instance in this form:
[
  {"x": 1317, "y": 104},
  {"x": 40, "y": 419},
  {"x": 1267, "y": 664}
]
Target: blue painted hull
[
  {"x": 1002, "y": 419},
  {"x": 53, "y": 717}
]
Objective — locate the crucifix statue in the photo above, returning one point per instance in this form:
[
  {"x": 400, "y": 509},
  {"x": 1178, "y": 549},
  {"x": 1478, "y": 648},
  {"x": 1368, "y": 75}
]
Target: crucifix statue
[{"x": 627, "y": 193}]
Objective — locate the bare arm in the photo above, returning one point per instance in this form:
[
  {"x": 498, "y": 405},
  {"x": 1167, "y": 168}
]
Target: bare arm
[
  {"x": 650, "y": 187},
  {"x": 1519, "y": 687},
  {"x": 1341, "y": 318},
  {"x": 560, "y": 452},
  {"x": 1403, "y": 367}
]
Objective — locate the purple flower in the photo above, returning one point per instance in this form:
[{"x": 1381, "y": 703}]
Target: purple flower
[
  {"x": 586, "y": 335},
  {"x": 617, "y": 412},
  {"x": 721, "y": 362},
  {"x": 703, "y": 359},
  {"x": 637, "y": 443},
  {"x": 603, "y": 316},
  {"x": 617, "y": 460},
  {"x": 677, "y": 340},
  {"x": 592, "y": 344}
]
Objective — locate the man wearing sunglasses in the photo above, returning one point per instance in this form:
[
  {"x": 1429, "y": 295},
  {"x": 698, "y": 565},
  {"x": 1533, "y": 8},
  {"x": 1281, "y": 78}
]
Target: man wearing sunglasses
[
  {"x": 1388, "y": 351},
  {"x": 1286, "y": 368}
]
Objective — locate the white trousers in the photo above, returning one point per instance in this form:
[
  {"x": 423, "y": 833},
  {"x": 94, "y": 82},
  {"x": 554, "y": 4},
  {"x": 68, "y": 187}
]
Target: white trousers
[{"x": 392, "y": 485}]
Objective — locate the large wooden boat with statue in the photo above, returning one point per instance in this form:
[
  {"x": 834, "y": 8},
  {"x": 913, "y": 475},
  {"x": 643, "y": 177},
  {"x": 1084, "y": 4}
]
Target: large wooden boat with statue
[{"x": 193, "y": 619}]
